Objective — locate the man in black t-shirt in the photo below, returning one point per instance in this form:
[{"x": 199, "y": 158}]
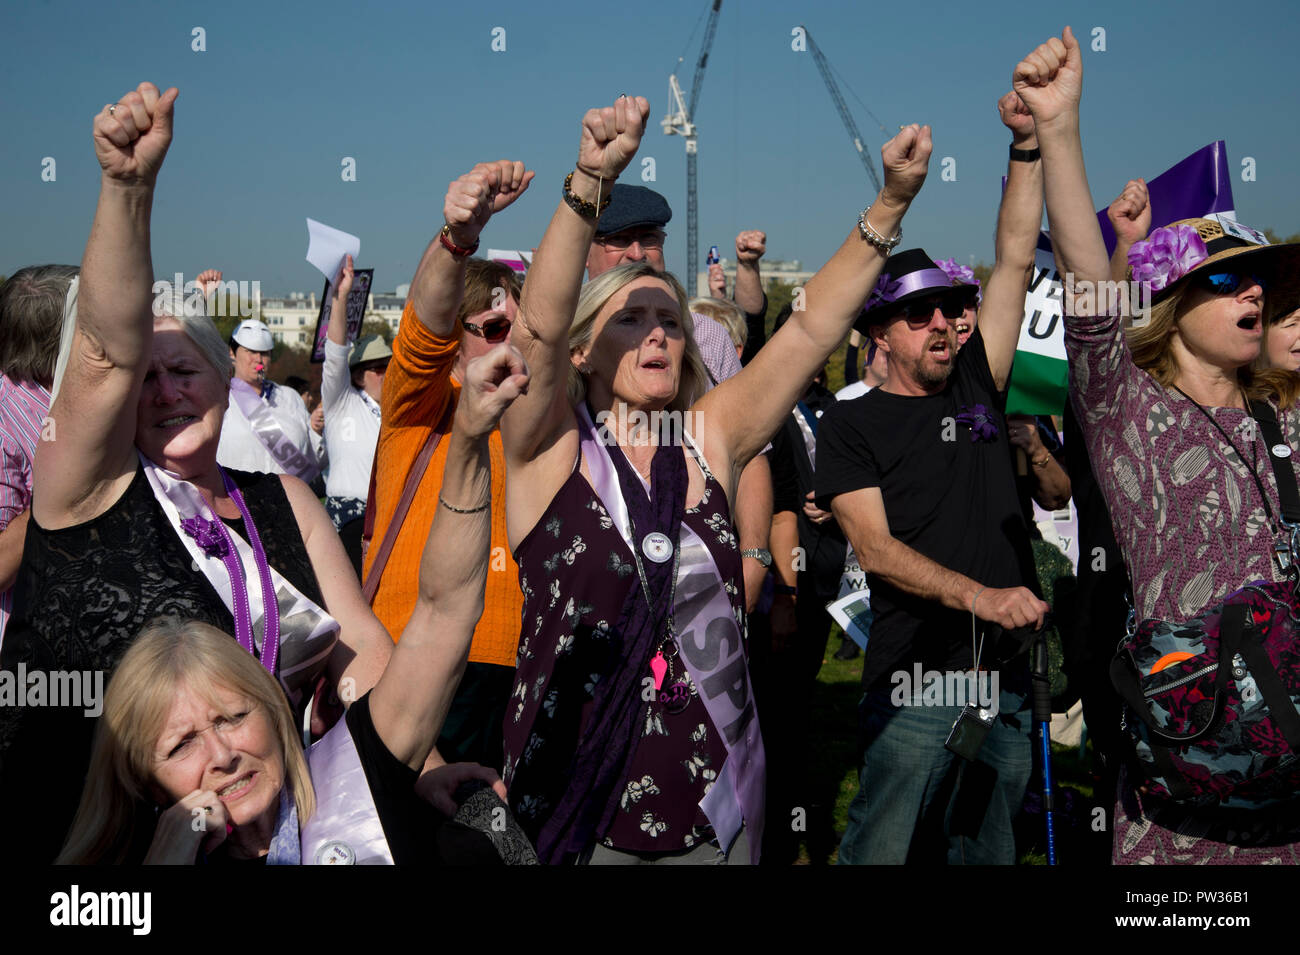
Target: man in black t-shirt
[{"x": 918, "y": 475}]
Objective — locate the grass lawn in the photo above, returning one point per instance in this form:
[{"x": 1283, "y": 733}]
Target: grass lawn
[{"x": 834, "y": 780}]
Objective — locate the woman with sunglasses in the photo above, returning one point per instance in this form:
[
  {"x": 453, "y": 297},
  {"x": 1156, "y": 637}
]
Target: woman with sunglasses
[
  {"x": 1166, "y": 414},
  {"x": 632, "y": 735}
]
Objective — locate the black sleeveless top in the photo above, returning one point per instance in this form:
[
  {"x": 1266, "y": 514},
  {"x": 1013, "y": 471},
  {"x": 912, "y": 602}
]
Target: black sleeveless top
[{"x": 83, "y": 594}]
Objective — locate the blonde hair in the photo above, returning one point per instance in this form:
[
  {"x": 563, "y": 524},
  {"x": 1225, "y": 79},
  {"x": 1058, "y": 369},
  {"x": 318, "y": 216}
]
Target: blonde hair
[
  {"x": 1151, "y": 349},
  {"x": 694, "y": 381},
  {"x": 725, "y": 313},
  {"x": 170, "y": 653}
]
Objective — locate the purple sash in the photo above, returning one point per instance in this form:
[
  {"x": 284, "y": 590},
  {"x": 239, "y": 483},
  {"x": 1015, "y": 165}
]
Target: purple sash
[
  {"x": 268, "y": 430},
  {"x": 709, "y": 642}
]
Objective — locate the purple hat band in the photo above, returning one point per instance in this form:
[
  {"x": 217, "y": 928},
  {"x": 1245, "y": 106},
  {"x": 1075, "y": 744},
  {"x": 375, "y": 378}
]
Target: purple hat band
[{"x": 890, "y": 290}]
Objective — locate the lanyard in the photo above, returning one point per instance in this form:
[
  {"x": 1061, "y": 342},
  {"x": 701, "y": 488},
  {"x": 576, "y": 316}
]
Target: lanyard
[{"x": 1252, "y": 467}]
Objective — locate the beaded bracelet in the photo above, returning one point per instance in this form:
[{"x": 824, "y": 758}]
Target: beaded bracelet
[
  {"x": 883, "y": 245},
  {"x": 464, "y": 510},
  {"x": 588, "y": 210}
]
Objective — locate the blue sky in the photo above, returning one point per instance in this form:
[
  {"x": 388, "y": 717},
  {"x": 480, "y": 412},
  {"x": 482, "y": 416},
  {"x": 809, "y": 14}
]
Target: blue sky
[{"x": 415, "y": 94}]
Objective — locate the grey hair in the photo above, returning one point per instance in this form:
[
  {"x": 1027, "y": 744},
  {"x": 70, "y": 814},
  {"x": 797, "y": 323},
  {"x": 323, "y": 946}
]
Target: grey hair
[
  {"x": 694, "y": 381},
  {"x": 199, "y": 328},
  {"x": 31, "y": 318}
]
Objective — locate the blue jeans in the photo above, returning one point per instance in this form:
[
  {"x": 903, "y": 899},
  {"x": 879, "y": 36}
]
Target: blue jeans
[{"x": 905, "y": 767}]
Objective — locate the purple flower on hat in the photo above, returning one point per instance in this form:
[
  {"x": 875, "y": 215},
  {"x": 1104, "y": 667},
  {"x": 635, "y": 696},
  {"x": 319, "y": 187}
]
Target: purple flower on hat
[
  {"x": 958, "y": 273},
  {"x": 207, "y": 535},
  {"x": 983, "y": 426},
  {"x": 1166, "y": 256},
  {"x": 886, "y": 291}
]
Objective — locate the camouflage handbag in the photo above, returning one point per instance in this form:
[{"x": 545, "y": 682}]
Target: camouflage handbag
[{"x": 1216, "y": 698}]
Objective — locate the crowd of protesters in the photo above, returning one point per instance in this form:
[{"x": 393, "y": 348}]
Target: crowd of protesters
[{"x": 547, "y": 580}]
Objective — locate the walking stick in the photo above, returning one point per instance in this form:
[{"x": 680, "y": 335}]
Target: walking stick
[{"x": 1042, "y": 691}]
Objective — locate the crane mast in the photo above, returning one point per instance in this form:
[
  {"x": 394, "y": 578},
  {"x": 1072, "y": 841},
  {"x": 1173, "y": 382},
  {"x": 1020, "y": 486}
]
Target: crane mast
[
  {"x": 679, "y": 122},
  {"x": 824, "y": 68}
]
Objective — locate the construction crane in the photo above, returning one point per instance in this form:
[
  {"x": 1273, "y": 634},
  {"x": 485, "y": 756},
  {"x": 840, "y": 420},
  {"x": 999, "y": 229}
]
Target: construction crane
[
  {"x": 824, "y": 68},
  {"x": 679, "y": 122}
]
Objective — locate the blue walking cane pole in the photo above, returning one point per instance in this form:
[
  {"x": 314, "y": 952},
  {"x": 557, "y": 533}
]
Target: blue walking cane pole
[{"x": 1042, "y": 690}]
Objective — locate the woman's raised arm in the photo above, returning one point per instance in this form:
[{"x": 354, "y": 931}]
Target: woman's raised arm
[
  {"x": 1050, "y": 83},
  {"x": 610, "y": 138},
  {"x": 91, "y": 450},
  {"x": 411, "y": 700}
]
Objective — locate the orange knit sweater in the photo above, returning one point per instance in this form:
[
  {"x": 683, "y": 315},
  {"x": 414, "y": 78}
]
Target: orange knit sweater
[{"x": 417, "y": 388}]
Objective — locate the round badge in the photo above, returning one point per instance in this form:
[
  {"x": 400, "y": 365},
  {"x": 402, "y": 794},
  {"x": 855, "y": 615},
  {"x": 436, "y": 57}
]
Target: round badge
[
  {"x": 336, "y": 853},
  {"x": 657, "y": 547},
  {"x": 1281, "y": 451},
  {"x": 675, "y": 698}
]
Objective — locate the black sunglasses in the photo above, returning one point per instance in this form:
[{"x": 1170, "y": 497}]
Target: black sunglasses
[
  {"x": 950, "y": 306},
  {"x": 1228, "y": 283},
  {"x": 494, "y": 330}
]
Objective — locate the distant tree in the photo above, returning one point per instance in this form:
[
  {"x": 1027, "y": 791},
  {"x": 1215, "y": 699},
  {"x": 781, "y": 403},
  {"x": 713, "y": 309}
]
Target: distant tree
[
  {"x": 982, "y": 272},
  {"x": 1275, "y": 240},
  {"x": 377, "y": 326}
]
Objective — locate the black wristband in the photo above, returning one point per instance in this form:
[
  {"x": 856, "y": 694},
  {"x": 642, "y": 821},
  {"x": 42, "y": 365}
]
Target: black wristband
[
  {"x": 1024, "y": 155},
  {"x": 786, "y": 590}
]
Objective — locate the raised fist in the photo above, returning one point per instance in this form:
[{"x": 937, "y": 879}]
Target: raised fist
[
  {"x": 1017, "y": 118},
  {"x": 750, "y": 245},
  {"x": 1130, "y": 214},
  {"x": 132, "y": 135},
  {"x": 610, "y": 136},
  {"x": 208, "y": 280},
  {"x": 492, "y": 382},
  {"x": 481, "y": 193},
  {"x": 717, "y": 281},
  {"x": 1050, "y": 80},
  {"x": 906, "y": 160}
]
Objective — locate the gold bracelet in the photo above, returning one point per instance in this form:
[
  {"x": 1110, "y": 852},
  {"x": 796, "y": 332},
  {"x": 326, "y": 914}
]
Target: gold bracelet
[
  {"x": 465, "y": 510},
  {"x": 1046, "y": 460}
]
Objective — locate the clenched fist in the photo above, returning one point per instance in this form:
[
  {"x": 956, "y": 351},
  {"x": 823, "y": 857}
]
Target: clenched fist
[
  {"x": 132, "y": 135},
  {"x": 481, "y": 193},
  {"x": 1017, "y": 118},
  {"x": 1130, "y": 214},
  {"x": 611, "y": 136},
  {"x": 906, "y": 160},
  {"x": 750, "y": 245},
  {"x": 1050, "y": 80}
]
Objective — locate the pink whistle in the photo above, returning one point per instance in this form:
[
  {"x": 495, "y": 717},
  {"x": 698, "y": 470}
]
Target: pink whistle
[{"x": 659, "y": 666}]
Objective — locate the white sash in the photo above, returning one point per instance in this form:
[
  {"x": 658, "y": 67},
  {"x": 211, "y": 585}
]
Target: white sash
[
  {"x": 307, "y": 633},
  {"x": 710, "y": 647},
  {"x": 269, "y": 431},
  {"x": 345, "y": 828}
]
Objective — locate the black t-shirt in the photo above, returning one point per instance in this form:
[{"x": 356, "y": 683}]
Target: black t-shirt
[{"x": 948, "y": 497}]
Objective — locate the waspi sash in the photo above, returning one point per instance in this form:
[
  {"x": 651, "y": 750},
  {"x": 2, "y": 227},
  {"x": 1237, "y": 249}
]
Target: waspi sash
[
  {"x": 269, "y": 431},
  {"x": 307, "y": 634},
  {"x": 710, "y": 646}
]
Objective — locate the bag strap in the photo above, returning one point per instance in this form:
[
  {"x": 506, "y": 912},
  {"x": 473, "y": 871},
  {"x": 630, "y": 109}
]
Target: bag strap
[
  {"x": 413, "y": 479},
  {"x": 1126, "y": 679},
  {"x": 1283, "y": 470}
]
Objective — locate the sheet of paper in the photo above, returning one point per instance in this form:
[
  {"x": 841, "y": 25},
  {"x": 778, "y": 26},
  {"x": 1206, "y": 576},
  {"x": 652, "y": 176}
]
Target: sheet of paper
[
  {"x": 853, "y": 614},
  {"x": 326, "y": 247}
]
